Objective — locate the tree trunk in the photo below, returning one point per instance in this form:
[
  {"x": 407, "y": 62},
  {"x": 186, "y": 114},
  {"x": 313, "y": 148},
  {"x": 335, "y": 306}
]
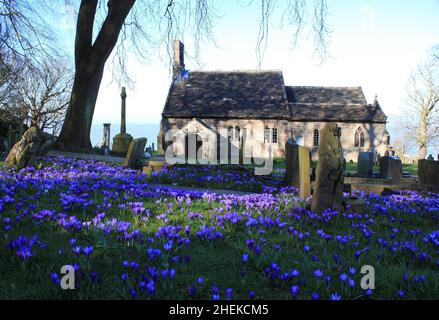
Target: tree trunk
[
  {"x": 75, "y": 133},
  {"x": 423, "y": 137},
  {"x": 90, "y": 61}
]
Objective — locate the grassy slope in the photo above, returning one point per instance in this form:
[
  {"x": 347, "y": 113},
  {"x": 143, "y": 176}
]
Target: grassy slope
[{"x": 219, "y": 261}]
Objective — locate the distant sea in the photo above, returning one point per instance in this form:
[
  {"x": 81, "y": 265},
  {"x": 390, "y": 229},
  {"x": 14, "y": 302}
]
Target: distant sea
[{"x": 137, "y": 130}]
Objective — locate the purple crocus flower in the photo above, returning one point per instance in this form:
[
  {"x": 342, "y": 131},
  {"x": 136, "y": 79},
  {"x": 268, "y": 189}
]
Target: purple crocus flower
[
  {"x": 343, "y": 277},
  {"x": 318, "y": 273},
  {"x": 401, "y": 294},
  {"x": 294, "y": 291},
  {"x": 335, "y": 296},
  {"x": 229, "y": 292},
  {"x": 87, "y": 250}
]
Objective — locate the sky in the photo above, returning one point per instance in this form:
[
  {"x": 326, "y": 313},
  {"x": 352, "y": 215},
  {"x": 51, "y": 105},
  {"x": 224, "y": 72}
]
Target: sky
[{"x": 374, "y": 44}]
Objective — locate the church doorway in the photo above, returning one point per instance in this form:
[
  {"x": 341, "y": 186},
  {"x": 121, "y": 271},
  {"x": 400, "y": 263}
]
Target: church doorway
[{"x": 193, "y": 148}]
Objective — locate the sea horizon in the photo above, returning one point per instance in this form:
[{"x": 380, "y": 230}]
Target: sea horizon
[{"x": 136, "y": 130}]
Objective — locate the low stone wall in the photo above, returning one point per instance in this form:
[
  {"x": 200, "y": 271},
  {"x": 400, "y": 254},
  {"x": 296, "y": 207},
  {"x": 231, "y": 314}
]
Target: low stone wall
[{"x": 378, "y": 186}]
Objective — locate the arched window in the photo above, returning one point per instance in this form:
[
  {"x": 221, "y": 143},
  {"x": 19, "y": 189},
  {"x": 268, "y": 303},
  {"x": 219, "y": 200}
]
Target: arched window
[
  {"x": 316, "y": 138},
  {"x": 359, "y": 138},
  {"x": 230, "y": 133},
  {"x": 237, "y": 133}
]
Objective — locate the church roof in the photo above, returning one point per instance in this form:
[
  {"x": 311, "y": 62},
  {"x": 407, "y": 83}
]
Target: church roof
[
  {"x": 263, "y": 95},
  {"x": 338, "y": 104},
  {"x": 229, "y": 94}
]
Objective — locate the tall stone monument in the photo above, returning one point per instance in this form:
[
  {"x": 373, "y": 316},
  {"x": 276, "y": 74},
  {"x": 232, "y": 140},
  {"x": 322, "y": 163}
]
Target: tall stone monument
[
  {"x": 298, "y": 170},
  {"x": 106, "y": 138},
  {"x": 121, "y": 142},
  {"x": 328, "y": 188}
]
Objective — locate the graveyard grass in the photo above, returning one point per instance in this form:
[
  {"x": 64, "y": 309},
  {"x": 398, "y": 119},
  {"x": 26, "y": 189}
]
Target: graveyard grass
[{"x": 128, "y": 239}]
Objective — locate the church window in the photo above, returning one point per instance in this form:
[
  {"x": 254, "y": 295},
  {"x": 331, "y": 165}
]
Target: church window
[
  {"x": 237, "y": 133},
  {"x": 359, "y": 138},
  {"x": 316, "y": 138},
  {"x": 266, "y": 135},
  {"x": 230, "y": 133},
  {"x": 362, "y": 140},
  {"x": 274, "y": 135}
]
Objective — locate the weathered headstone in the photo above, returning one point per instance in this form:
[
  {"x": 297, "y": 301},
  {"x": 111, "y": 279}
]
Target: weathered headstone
[
  {"x": 25, "y": 151},
  {"x": 297, "y": 172},
  {"x": 428, "y": 172},
  {"x": 365, "y": 164},
  {"x": 328, "y": 189},
  {"x": 390, "y": 167},
  {"x": 121, "y": 141},
  {"x": 135, "y": 154},
  {"x": 153, "y": 166},
  {"x": 355, "y": 204}
]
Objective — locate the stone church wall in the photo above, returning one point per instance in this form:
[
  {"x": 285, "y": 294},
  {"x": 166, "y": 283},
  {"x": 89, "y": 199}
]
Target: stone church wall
[{"x": 375, "y": 137}]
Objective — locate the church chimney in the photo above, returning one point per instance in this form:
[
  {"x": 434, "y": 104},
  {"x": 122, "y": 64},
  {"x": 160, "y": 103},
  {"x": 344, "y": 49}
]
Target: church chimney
[{"x": 178, "y": 63}]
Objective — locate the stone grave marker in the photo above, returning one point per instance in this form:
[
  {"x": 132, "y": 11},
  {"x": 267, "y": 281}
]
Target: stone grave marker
[
  {"x": 328, "y": 189},
  {"x": 25, "y": 151},
  {"x": 365, "y": 164},
  {"x": 390, "y": 167},
  {"x": 135, "y": 154},
  {"x": 428, "y": 172},
  {"x": 298, "y": 168}
]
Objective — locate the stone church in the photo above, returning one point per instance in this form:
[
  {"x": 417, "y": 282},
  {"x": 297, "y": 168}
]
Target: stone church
[{"x": 256, "y": 112}]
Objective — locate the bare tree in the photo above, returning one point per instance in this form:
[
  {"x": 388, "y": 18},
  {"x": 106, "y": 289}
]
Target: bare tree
[
  {"x": 404, "y": 141},
  {"x": 45, "y": 92},
  {"x": 11, "y": 74},
  {"x": 114, "y": 22},
  {"x": 423, "y": 97},
  {"x": 23, "y": 29}
]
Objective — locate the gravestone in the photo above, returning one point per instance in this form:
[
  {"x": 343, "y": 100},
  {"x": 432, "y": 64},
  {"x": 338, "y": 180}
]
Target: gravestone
[
  {"x": 121, "y": 141},
  {"x": 355, "y": 204},
  {"x": 25, "y": 151},
  {"x": 428, "y": 172},
  {"x": 365, "y": 164},
  {"x": 298, "y": 168},
  {"x": 135, "y": 154},
  {"x": 390, "y": 167},
  {"x": 153, "y": 166},
  {"x": 328, "y": 189}
]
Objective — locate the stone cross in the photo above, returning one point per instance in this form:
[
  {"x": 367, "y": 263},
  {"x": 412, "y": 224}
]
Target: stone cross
[{"x": 123, "y": 128}]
